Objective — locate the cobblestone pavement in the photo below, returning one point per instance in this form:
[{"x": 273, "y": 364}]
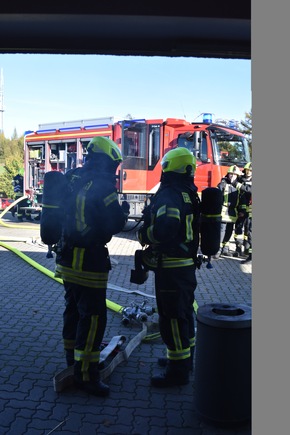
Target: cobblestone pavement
[{"x": 31, "y": 346}]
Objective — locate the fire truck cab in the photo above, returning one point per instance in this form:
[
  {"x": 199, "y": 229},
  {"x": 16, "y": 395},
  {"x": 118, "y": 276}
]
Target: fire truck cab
[{"x": 143, "y": 143}]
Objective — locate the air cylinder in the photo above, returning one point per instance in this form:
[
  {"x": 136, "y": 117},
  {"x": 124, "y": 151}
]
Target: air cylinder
[
  {"x": 210, "y": 220},
  {"x": 52, "y": 213}
]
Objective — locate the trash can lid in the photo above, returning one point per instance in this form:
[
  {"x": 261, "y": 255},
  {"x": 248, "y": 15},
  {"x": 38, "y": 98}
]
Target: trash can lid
[{"x": 225, "y": 315}]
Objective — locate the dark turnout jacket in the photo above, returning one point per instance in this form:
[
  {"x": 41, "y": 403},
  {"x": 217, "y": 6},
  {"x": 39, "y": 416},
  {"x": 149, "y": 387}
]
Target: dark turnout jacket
[
  {"x": 171, "y": 226},
  {"x": 93, "y": 216}
]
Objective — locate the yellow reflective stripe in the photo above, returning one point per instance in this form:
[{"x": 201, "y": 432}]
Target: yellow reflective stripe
[
  {"x": 169, "y": 262},
  {"x": 176, "y": 355},
  {"x": 188, "y": 226},
  {"x": 161, "y": 211},
  {"x": 80, "y": 207},
  {"x": 96, "y": 280},
  {"x": 226, "y": 196},
  {"x": 83, "y": 282},
  {"x": 176, "y": 262},
  {"x": 85, "y": 355},
  {"x": 211, "y": 215},
  {"x": 192, "y": 342},
  {"x": 229, "y": 218},
  {"x": 80, "y": 211},
  {"x": 150, "y": 234},
  {"x": 78, "y": 258},
  {"x": 186, "y": 197},
  {"x": 179, "y": 353},
  {"x": 175, "y": 334},
  {"x": 173, "y": 213},
  {"x": 81, "y": 355},
  {"x": 92, "y": 333},
  {"x": 88, "y": 355},
  {"x": 110, "y": 198},
  {"x": 82, "y": 273}
]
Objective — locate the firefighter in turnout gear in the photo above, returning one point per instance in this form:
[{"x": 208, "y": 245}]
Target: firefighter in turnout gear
[
  {"x": 244, "y": 225},
  {"x": 245, "y": 186},
  {"x": 171, "y": 234},
  {"x": 232, "y": 209},
  {"x": 26, "y": 202},
  {"x": 93, "y": 216}
]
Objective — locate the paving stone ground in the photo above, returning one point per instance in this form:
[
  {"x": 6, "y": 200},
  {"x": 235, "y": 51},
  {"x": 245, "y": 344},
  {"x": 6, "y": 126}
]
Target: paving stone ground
[{"x": 31, "y": 346}]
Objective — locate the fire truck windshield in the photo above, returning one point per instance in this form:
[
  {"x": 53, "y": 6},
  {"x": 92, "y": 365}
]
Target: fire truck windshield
[
  {"x": 229, "y": 149},
  {"x": 226, "y": 148}
]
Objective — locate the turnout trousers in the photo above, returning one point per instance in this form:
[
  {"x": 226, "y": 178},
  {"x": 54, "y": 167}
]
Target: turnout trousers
[
  {"x": 248, "y": 234},
  {"x": 226, "y": 232},
  {"x": 84, "y": 324},
  {"x": 174, "y": 297}
]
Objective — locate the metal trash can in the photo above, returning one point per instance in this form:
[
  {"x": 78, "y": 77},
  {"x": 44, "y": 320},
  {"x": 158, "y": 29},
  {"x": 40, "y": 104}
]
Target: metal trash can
[{"x": 223, "y": 363}]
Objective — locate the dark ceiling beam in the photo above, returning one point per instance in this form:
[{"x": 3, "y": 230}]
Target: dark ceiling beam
[{"x": 200, "y": 29}]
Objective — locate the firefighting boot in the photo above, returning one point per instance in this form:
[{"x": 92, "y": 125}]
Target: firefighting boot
[
  {"x": 238, "y": 252},
  {"x": 90, "y": 381},
  {"x": 176, "y": 373},
  {"x": 226, "y": 252},
  {"x": 248, "y": 260},
  {"x": 162, "y": 361},
  {"x": 246, "y": 248}
]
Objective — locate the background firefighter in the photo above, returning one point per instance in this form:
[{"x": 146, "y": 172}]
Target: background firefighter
[
  {"x": 93, "y": 216},
  {"x": 233, "y": 208},
  {"x": 171, "y": 229},
  {"x": 244, "y": 225}
]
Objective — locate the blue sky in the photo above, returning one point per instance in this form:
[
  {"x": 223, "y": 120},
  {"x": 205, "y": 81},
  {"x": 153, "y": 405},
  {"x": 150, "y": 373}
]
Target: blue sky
[{"x": 43, "y": 88}]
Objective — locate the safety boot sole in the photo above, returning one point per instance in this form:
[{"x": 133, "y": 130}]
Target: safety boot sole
[
  {"x": 95, "y": 388},
  {"x": 165, "y": 381}
]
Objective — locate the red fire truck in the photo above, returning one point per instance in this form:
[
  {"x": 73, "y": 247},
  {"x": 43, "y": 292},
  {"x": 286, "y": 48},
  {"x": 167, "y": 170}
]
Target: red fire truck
[{"x": 62, "y": 146}]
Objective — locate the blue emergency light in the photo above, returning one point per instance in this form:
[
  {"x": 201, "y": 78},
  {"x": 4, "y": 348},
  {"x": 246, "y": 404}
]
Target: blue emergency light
[
  {"x": 207, "y": 117},
  {"x": 232, "y": 123}
]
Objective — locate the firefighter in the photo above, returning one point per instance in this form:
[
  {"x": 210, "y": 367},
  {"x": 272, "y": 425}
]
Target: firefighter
[
  {"x": 18, "y": 190},
  {"x": 93, "y": 216},
  {"x": 171, "y": 231},
  {"x": 233, "y": 207},
  {"x": 246, "y": 189},
  {"x": 28, "y": 203},
  {"x": 244, "y": 185}
]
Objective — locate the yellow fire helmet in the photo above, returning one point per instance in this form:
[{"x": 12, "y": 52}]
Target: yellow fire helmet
[
  {"x": 234, "y": 170},
  {"x": 104, "y": 145},
  {"x": 178, "y": 160},
  {"x": 248, "y": 166}
]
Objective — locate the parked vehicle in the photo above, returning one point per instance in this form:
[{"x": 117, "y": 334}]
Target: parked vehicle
[{"x": 5, "y": 202}]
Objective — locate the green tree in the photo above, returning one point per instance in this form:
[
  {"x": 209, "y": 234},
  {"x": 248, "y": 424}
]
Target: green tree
[
  {"x": 10, "y": 146},
  {"x": 12, "y": 161},
  {"x": 246, "y": 128}
]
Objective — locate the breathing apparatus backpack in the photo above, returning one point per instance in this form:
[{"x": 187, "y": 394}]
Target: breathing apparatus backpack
[
  {"x": 73, "y": 207},
  {"x": 210, "y": 220},
  {"x": 55, "y": 190}
]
